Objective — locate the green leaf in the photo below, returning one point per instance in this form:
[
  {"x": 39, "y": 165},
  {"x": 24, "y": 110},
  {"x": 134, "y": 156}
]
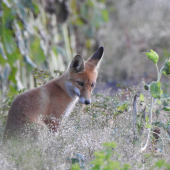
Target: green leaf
[
  {"x": 157, "y": 112},
  {"x": 13, "y": 74},
  {"x": 122, "y": 107},
  {"x": 166, "y": 108},
  {"x": 75, "y": 167},
  {"x": 112, "y": 165},
  {"x": 160, "y": 163},
  {"x": 159, "y": 102},
  {"x": 159, "y": 124},
  {"x": 146, "y": 87},
  {"x": 36, "y": 51},
  {"x": 99, "y": 154},
  {"x": 74, "y": 160},
  {"x": 12, "y": 91},
  {"x": 147, "y": 119},
  {"x": 148, "y": 126},
  {"x": 6, "y": 31},
  {"x": 2, "y": 61},
  {"x": 97, "y": 162},
  {"x": 90, "y": 3},
  {"x": 166, "y": 68},
  {"x": 165, "y": 103},
  {"x": 110, "y": 144},
  {"x": 13, "y": 57},
  {"x": 9, "y": 42},
  {"x": 105, "y": 15},
  {"x": 155, "y": 89},
  {"x": 153, "y": 56},
  {"x": 126, "y": 167},
  {"x": 142, "y": 97},
  {"x": 108, "y": 155}
]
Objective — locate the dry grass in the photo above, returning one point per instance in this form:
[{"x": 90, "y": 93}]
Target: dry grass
[{"x": 82, "y": 134}]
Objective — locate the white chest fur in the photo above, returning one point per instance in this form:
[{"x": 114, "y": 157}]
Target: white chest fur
[{"x": 70, "y": 107}]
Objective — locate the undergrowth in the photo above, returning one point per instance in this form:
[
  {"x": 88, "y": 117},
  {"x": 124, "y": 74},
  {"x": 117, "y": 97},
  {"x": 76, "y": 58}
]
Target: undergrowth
[{"x": 134, "y": 126}]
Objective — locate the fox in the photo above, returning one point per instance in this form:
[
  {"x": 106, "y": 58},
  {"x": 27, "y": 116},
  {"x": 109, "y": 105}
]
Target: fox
[{"x": 55, "y": 99}]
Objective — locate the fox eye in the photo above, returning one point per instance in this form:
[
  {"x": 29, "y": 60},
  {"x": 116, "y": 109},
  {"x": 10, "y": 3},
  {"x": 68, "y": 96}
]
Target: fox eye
[
  {"x": 92, "y": 85},
  {"x": 80, "y": 83}
]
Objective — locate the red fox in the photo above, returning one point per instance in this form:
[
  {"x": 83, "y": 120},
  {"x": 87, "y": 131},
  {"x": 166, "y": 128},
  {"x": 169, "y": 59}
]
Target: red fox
[{"x": 56, "y": 98}]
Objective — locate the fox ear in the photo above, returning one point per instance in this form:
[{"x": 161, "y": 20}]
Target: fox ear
[
  {"x": 94, "y": 61},
  {"x": 77, "y": 64}
]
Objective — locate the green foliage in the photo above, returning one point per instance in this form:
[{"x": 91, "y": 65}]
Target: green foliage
[
  {"x": 161, "y": 164},
  {"x": 122, "y": 107},
  {"x": 166, "y": 68},
  {"x": 58, "y": 73},
  {"x": 29, "y": 37},
  {"x": 88, "y": 16},
  {"x": 108, "y": 158},
  {"x": 7, "y": 103},
  {"x": 103, "y": 160},
  {"x": 36, "y": 51},
  {"x": 13, "y": 43},
  {"x": 166, "y": 108},
  {"x": 148, "y": 126},
  {"x": 157, "y": 98},
  {"x": 155, "y": 89},
  {"x": 146, "y": 87},
  {"x": 40, "y": 75},
  {"x": 110, "y": 144},
  {"x": 142, "y": 98},
  {"x": 75, "y": 167},
  {"x": 153, "y": 56}
]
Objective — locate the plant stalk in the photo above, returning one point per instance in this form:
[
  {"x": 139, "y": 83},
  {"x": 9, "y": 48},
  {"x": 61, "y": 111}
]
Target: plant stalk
[
  {"x": 148, "y": 137},
  {"x": 157, "y": 69},
  {"x": 159, "y": 74}
]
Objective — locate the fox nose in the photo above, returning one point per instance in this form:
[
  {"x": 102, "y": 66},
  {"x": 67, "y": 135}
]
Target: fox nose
[{"x": 87, "y": 101}]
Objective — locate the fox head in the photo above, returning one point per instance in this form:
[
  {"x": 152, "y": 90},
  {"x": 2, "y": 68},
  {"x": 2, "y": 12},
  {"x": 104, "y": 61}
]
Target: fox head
[{"x": 82, "y": 76}]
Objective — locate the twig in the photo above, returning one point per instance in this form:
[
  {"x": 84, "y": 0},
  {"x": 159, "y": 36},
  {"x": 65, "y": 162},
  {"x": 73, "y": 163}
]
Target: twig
[
  {"x": 148, "y": 137},
  {"x": 134, "y": 116},
  {"x": 157, "y": 70},
  {"x": 159, "y": 74}
]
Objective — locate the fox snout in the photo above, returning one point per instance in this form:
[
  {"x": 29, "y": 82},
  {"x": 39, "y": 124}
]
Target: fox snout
[
  {"x": 87, "y": 102},
  {"x": 84, "y": 101},
  {"x": 81, "y": 98}
]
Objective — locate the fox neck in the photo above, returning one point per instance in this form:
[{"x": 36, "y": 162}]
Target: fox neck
[{"x": 69, "y": 90}]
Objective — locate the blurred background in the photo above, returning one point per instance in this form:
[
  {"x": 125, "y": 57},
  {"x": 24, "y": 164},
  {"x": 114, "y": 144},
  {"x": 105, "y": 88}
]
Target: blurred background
[{"x": 47, "y": 34}]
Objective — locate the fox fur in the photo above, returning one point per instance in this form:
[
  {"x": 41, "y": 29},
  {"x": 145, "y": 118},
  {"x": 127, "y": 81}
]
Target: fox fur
[{"x": 45, "y": 105}]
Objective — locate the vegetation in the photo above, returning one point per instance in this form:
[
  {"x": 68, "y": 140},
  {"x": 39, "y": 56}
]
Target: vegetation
[
  {"x": 126, "y": 130},
  {"x": 45, "y": 35},
  {"x": 137, "y": 120}
]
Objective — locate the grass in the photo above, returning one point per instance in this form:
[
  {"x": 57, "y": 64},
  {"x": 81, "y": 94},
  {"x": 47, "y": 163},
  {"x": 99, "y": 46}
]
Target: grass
[{"x": 107, "y": 119}]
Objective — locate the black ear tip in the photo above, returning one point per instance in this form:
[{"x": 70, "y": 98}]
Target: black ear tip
[
  {"x": 78, "y": 56},
  {"x": 98, "y": 54},
  {"x": 101, "y": 50}
]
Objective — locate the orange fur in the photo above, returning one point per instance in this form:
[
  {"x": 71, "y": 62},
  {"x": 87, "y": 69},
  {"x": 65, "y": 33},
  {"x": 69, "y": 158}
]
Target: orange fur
[{"x": 46, "y": 104}]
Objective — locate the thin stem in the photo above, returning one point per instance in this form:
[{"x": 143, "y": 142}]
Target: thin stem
[
  {"x": 134, "y": 116},
  {"x": 151, "y": 110},
  {"x": 147, "y": 141},
  {"x": 148, "y": 137},
  {"x": 160, "y": 74},
  {"x": 157, "y": 69}
]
